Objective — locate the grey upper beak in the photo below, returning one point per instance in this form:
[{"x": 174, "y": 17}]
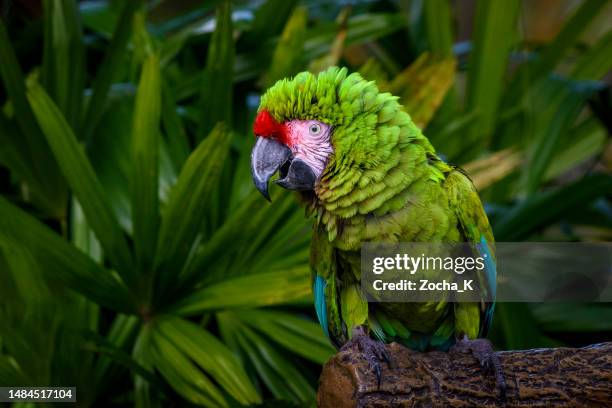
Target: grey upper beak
[{"x": 267, "y": 156}]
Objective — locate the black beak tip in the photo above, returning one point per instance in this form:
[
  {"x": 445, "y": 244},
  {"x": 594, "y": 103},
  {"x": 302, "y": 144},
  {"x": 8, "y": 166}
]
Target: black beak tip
[
  {"x": 262, "y": 187},
  {"x": 264, "y": 192}
]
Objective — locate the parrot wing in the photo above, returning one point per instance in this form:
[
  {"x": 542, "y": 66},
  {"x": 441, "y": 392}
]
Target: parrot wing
[
  {"x": 338, "y": 298},
  {"x": 323, "y": 271},
  {"x": 470, "y": 318}
]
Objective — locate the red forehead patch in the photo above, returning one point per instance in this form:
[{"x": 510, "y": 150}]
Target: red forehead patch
[{"x": 266, "y": 126}]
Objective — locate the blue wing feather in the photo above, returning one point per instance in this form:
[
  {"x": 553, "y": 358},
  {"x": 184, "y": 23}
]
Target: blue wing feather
[
  {"x": 491, "y": 281},
  {"x": 320, "y": 303}
]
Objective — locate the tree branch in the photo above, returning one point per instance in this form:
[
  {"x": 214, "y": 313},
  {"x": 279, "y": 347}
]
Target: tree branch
[{"x": 560, "y": 377}]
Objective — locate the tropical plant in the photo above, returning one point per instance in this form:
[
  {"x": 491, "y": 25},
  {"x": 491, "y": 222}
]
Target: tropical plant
[{"x": 137, "y": 261}]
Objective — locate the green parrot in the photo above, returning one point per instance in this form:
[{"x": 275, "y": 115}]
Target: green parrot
[{"x": 367, "y": 174}]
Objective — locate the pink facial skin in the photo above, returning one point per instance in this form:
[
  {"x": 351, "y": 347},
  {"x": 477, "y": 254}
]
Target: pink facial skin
[{"x": 309, "y": 140}]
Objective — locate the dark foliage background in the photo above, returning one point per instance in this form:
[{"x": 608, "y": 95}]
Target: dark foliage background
[{"x": 136, "y": 260}]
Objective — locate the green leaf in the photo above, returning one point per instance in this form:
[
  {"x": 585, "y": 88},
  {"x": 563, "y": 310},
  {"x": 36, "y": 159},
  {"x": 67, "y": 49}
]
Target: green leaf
[
  {"x": 270, "y": 19},
  {"x": 32, "y": 353},
  {"x": 118, "y": 355},
  {"x": 82, "y": 179},
  {"x": 262, "y": 289},
  {"x": 495, "y": 32},
  {"x": 100, "y": 17},
  {"x": 64, "y": 58},
  {"x": 567, "y": 37},
  {"x": 265, "y": 223},
  {"x": 545, "y": 208},
  {"x": 110, "y": 153},
  {"x": 281, "y": 377},
  {"x": 596, "y": 62},
  {"x": 25, "y": 274},
  {"x": 332, "y": 58},
  {"x": 277, "y": 247},
  {"x": 176, "y": 138},
  {"x": 563, "y": 317},
  {"x": 185, "y": 24},
  {"x": 182, "y": 374},
  {"x": 449, "y": 138},
  {"x": 361, "y": 29},
  {"x": 288, "y": 55},
  {"x": 249, "y": 237},
  {"x": 515, "y": 327},
  {"x": 587, "y": 140},
  {"x": 15, "y": 155},
  {"x": 10, "y": 373},
  {"x": 299, "y": 335},
  {"x": 187, "y": 205},
  {"x": 143, "y": 44},
  {"x": 27, "y": 305},
  {"x": 81, "y": 234},
  {"x": 438, "y": 26},
  {"x": 233, "y": 232},
  {"x": 109, "y": 69},
  {"x": 167, "y": 173},
  {"x": 62, "y": 262},
  {"x": 545, "y": 61},
  {"x": 423, "y": 85},
  {"x": 211, "y": 355},
  {"x": 44, "y": 166},
  {"x": 488, "y": 170},
  {"x": 217, "y": 88},
  {"x": 47, "y": 67},
  {"x": 146, "y": 395},
  {"x": 553, "y": 108},
  {"x": 145, "y": 164},
  {"x": 373, "y": 70},
  {"x": 121, "y": 333}
]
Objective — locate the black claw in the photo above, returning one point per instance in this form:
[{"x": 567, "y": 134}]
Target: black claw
[
  {"x": 482, "y": 350},
  {"x": 373, "y": 351},
  {"x": 500, "y": 380},
  {"x": 501, "y": 390},
  {"x": 386, "y": 357}
]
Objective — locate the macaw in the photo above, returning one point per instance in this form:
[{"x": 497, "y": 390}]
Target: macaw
[{"x": 367, "y": 173}]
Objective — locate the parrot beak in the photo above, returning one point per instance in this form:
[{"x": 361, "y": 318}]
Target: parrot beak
[{"x": 267, "y": 156}]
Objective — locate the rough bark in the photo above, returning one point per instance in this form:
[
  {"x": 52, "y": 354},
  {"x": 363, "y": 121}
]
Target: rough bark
[{"x": 560, "y": 377}]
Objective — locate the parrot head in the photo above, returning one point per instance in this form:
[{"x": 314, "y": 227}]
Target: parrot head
[
  {"x": 297, "y": 148},
  {"x": 327, "y": 132},
  {"x": 293, "y": 128}
]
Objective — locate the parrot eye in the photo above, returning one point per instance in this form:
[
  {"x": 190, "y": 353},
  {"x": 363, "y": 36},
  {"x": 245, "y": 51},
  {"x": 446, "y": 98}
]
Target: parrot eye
[{"x": 314, "y": 129}]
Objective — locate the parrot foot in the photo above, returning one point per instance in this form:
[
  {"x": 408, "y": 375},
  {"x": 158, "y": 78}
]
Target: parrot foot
[
  {"x": 374, "y": 351},
  {"x": 482, "y": 350}
]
